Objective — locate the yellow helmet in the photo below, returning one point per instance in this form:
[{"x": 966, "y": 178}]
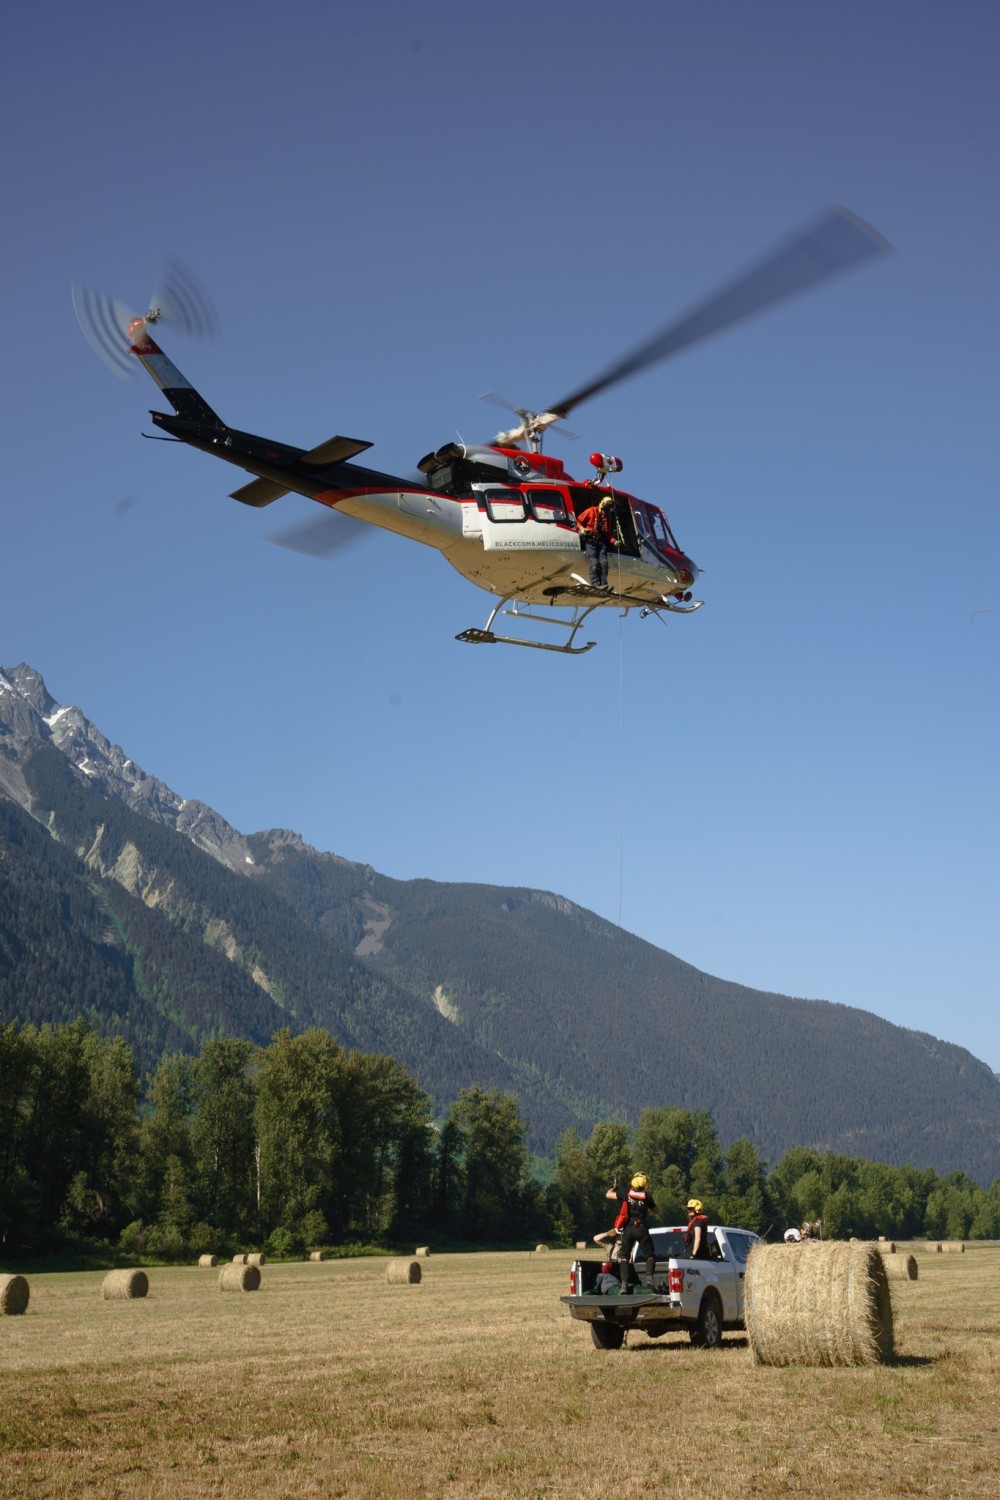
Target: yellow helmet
[
  {"x": 694, "y": 1204},
  {"x": 639, "y": 1180},
  {"x": 606, "y": 500}
]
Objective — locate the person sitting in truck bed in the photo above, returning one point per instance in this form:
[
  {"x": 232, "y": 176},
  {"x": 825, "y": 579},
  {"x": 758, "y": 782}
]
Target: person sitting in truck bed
[
  {"x": 633, "y": 1221},
  {"x": 696, "y": 1239},
  {"x": 607, "y": 1282}
]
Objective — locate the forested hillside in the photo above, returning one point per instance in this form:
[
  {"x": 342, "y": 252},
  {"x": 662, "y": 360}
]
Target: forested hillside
[
  {"x": 125, "y": 922},
  {"x": 611, "y": 1023},
  {"x": 300, "y": 1145},
  {"x": 167, "y": 927}
]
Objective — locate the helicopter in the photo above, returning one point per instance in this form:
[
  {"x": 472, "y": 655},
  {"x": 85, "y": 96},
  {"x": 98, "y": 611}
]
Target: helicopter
[{"x": 503, "y": 513}]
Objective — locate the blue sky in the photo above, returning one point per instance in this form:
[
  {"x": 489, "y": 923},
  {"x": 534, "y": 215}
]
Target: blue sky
[{"x": 397, "y": 207}]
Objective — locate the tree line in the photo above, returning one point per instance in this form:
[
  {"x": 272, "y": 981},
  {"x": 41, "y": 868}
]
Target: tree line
[{"x": 301, "y": 1144}]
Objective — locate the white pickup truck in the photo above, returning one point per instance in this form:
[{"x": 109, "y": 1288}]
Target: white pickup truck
[{"x": 704, "y": 1296}]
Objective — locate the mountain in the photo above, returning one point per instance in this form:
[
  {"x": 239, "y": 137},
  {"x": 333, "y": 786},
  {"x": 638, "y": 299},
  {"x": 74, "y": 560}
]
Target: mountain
[{"x": 157, "y": 920}]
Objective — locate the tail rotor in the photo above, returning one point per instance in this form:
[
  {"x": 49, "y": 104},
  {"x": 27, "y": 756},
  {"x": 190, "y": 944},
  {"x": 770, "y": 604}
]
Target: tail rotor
[
  {"x": 180, "y": 300},
  {"x": 104, "y": 322},
  {"x": 183, "y": 301}
]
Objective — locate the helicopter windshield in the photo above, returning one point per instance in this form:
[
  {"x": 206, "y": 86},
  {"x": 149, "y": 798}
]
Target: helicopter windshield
[
  {"x": 655, "y": 528},
  {"x": 660, "y": 528}
]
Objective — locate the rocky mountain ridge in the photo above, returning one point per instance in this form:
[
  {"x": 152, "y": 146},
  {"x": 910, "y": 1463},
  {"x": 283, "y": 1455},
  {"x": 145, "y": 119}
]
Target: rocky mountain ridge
[
  {"x": 155, "y": 919},
  {"x": 29, "y": 714}
]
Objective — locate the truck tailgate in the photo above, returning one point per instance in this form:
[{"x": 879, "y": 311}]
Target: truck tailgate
[{"x": 640, "y": 1307}]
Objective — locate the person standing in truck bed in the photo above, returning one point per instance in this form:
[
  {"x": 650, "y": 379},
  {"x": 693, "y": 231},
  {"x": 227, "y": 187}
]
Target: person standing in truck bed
[{"x": 633, "y": 1220}]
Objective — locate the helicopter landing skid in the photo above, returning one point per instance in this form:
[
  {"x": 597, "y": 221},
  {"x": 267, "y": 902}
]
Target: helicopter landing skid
[{"x": 488, "y": 637}]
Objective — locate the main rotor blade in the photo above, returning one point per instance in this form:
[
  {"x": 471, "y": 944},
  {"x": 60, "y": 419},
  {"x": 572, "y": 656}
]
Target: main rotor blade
[
  {"x": 324, "y": 536},
  {"x": 495, "y": 400},
  {"x": 837, "y": 242}
]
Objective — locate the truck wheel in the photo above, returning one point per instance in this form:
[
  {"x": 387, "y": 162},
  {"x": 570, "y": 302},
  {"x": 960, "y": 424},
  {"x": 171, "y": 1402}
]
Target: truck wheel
[
  {"x": 607, "y": 1335},
  {"x": 707, "y": 1333}
]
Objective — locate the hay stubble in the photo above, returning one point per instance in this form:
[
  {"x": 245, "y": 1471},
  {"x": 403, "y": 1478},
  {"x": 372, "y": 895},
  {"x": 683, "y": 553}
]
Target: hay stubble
[{"x": 477, "y": 1385}]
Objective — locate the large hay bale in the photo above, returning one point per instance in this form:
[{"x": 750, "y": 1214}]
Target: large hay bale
[
  {"x": 900, "y": 1267},
  {"x": 541, "y": 1249},
  {"x": 955, "y": 1247},
  {"x": 402, "y": 1272},
  {"x": 239, "y": 1278},
  {"x": 581, "y": 1244},
  {"x": 830, "y": 1307},
  {"x": 125, "y": 1284},
  {"x": 887, "y": 1247},
  {"x": 14, "y": 1294},
  {"x": 315, "y": 1255},
  {"x": 208, "y": 1260},
  {"x": 240, "y": 1260},
  {"x": 422, "y": 1252},
  {"x": 256, "y": 1259}
]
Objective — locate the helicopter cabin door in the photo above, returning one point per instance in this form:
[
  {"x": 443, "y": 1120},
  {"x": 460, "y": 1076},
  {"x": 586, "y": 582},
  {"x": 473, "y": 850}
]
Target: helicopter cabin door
[{"x": 526, "y": 518}]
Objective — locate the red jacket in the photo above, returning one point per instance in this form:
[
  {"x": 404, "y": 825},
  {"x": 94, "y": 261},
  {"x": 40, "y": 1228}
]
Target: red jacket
[{"x": 600, "y": 522}]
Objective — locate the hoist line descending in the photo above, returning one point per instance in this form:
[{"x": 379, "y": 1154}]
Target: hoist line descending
[{"x": 621, "y": 804}]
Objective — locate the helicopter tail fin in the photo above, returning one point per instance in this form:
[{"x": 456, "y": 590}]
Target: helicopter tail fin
[{"x": 179, "y": 391}]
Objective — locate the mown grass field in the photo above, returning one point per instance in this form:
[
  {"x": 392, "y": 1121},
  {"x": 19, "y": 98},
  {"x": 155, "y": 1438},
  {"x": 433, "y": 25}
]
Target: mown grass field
[{"x": 328, "y": 1382}]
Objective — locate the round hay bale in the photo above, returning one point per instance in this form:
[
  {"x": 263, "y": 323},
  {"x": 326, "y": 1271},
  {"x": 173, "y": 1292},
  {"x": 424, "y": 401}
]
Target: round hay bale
[
  {"x": 14, "y": 1294},
  {"x": 831, "y": 1307},
  {"x": 239, "y": 1260},
  {"x": 541, "y": 1249},
  {"x": 887, "y": 1247},
  {"x": 900, "y": 1267},
  {"x": 402, "y": 1272},
  {"x": 127, "y": 1284},
  {"x": 208, "y": 1260},
  {"x": 581, "y": 1244},
  {"x": 239, "y": 1278},
  {"x": 258, "y": 1258},
  {"x": 315, "y": 1255},
  {"x": 422, "y": 1252},
  {"x": 955, "y": 1247}
]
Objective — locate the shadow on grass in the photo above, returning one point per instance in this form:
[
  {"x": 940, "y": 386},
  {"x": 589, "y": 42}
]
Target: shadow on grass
[
  {"x": 676, "y": 1348},
  {"x": 661, "y": 1345}
]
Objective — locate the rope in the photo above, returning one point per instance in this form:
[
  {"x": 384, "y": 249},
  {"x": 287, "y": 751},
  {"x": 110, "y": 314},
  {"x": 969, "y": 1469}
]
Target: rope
[{"x": 621, "y": 779}]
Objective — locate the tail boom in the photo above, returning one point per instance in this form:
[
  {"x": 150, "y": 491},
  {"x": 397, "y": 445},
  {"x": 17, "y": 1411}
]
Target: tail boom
[{"x": 179, "y": 391}]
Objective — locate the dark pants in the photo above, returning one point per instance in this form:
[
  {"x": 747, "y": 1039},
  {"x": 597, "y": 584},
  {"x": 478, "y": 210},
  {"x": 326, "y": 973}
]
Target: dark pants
[
  {"x": 596, "y": 548},
  {"x": 635, "y": 1234}
]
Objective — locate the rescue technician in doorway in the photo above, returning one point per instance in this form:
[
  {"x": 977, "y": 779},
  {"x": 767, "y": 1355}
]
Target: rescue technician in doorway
[
  {"x": 633, "y": 1220},
  {"x": 600, "y": 531}
]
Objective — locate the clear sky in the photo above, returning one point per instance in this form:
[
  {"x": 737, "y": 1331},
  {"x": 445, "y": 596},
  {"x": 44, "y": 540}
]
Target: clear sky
[{"x": 399, "y": 206}]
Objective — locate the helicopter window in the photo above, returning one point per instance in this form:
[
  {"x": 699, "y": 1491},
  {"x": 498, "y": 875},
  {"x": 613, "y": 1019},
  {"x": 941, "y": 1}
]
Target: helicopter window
[
  {"x": 547, "y": 505},
  {"x": 504, "y": 505}
]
